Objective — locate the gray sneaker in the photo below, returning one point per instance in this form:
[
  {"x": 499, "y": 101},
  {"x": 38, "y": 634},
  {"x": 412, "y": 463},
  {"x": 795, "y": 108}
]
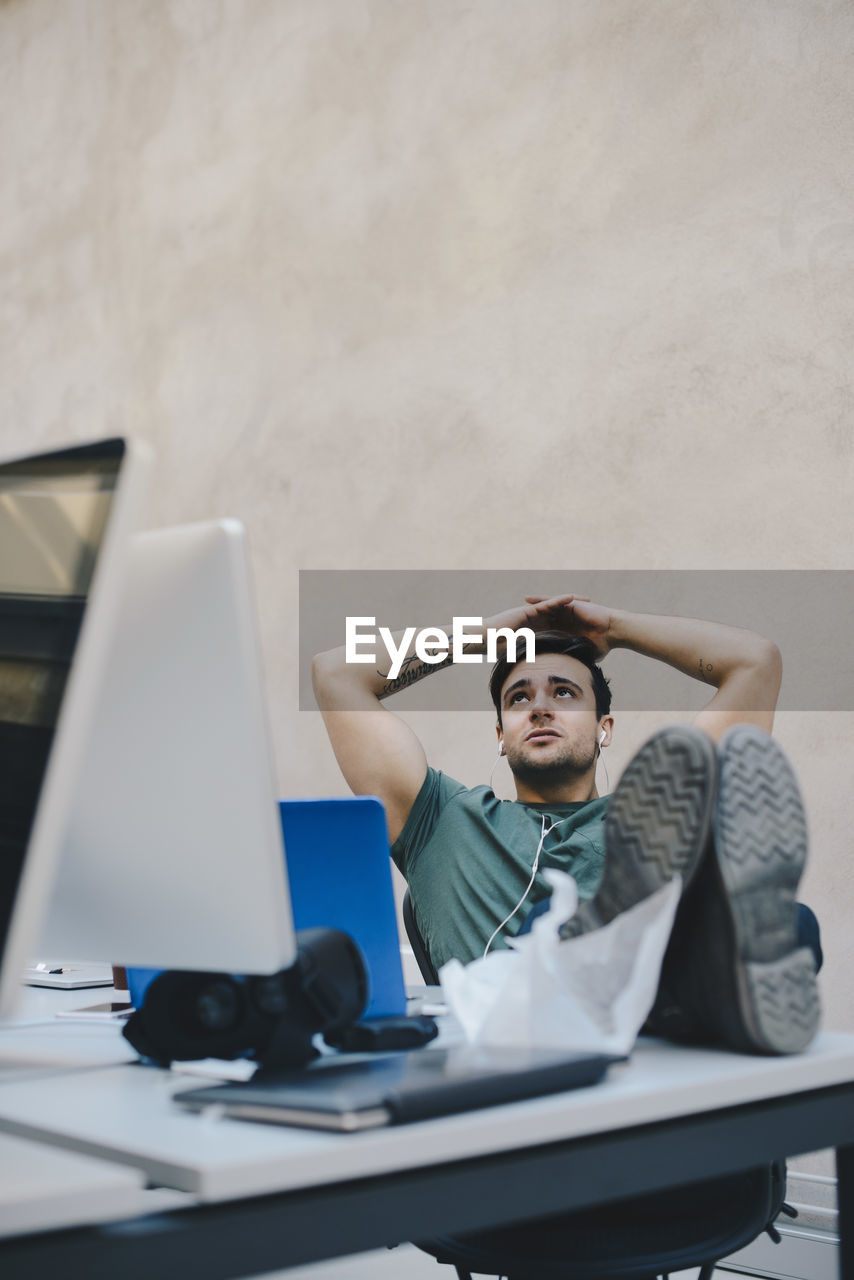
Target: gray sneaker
[
  {"x": 658, "y": 824},
  {"x": 734, "y": 972}
]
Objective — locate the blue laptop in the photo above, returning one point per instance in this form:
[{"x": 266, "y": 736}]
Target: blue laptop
[{"x": 339, "y": 869}]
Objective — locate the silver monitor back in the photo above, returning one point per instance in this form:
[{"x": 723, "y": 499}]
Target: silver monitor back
[
  {"x": 174, "y": 855},
  {"x": 65, "y": 524}
]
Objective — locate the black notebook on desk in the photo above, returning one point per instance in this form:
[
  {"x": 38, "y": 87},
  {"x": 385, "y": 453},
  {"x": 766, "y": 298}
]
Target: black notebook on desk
[{"x": 352, "y": 1092}]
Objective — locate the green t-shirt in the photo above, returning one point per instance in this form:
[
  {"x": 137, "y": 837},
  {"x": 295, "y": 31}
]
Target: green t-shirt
[{"x": 467, "y": 857}]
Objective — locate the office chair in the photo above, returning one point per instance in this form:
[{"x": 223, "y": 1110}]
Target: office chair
[
  {"x": 637, "y": 1239},
  {"x": 419, "y": 949}
]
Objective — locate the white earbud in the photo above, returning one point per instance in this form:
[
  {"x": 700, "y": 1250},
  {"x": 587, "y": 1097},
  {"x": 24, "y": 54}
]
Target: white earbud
[
  {"x": 601, "y": 737},
  {"x": 501, "y": 747}
]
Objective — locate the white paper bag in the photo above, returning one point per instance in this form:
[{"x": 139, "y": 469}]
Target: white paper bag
[{"x": 591, "y": 993}]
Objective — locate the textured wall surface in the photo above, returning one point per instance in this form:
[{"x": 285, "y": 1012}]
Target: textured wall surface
[{"x": 452, "y": 285}]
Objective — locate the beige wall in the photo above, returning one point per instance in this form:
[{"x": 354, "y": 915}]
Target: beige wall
[{"x": 565, "y": 285}]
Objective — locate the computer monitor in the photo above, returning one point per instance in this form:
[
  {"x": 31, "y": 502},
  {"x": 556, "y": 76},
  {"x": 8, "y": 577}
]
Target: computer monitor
[
  {"x": 173, "y": 856},
  {"x": 65, "y": 522}
]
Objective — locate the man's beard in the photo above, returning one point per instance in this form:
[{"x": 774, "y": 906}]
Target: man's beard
[{"x": 572, "y": 761}]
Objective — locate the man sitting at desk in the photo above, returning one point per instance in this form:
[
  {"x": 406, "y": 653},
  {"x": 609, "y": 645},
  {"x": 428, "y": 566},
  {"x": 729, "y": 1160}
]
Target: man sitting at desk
[{"x": 728, "y": 818}]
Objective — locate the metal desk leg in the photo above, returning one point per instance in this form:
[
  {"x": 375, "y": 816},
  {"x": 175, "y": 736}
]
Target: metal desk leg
[{"x": 845, "y": 1191}]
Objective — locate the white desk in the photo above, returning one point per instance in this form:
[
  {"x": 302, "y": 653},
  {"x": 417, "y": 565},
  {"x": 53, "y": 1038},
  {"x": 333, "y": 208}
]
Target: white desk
[
  {"x": 126, "y": 1114},
  {"x": 38, "y": 1044},
  {"x": 42, "y": 1188},
  {"x": 278, "y": 1196}
]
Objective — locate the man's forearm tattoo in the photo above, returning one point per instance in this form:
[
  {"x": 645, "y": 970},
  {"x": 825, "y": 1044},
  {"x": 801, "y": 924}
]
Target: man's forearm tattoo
[
  {"x": 706, "y": 670},
  {"x": 412, "y": 670}
]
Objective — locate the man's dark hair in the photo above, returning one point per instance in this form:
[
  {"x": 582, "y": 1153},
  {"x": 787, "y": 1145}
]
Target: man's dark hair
[{"x": 557, "y": 642}]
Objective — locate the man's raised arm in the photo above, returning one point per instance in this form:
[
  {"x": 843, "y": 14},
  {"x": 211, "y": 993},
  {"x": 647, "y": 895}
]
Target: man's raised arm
[
  {"x": 376, "y": 751},
  {"x": 743, "y": 667}
]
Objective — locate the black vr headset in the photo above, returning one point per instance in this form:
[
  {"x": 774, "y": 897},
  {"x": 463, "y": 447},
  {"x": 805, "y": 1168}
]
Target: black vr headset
[{"x": 218, "y": 1015}]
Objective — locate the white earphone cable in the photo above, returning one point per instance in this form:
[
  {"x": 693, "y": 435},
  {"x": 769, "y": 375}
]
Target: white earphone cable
[
  {"x": 544, "y": 831},
  {"x": 494, "y": 767}
]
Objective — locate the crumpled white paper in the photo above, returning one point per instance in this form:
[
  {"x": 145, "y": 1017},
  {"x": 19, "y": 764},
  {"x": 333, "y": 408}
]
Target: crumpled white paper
[{"x": 591, "y": 993}]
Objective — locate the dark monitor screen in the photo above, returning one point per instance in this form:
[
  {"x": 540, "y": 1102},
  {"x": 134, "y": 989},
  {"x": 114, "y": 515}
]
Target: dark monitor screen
[{"x": 54, "y": 511}]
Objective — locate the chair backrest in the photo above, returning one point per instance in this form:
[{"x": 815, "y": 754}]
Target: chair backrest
[{"x": 419, "y": 948}]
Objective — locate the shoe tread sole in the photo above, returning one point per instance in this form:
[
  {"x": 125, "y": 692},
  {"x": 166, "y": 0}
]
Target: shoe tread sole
[
  {"x": 760, "y": 839},
  {"x": 656, "y": 827}
]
